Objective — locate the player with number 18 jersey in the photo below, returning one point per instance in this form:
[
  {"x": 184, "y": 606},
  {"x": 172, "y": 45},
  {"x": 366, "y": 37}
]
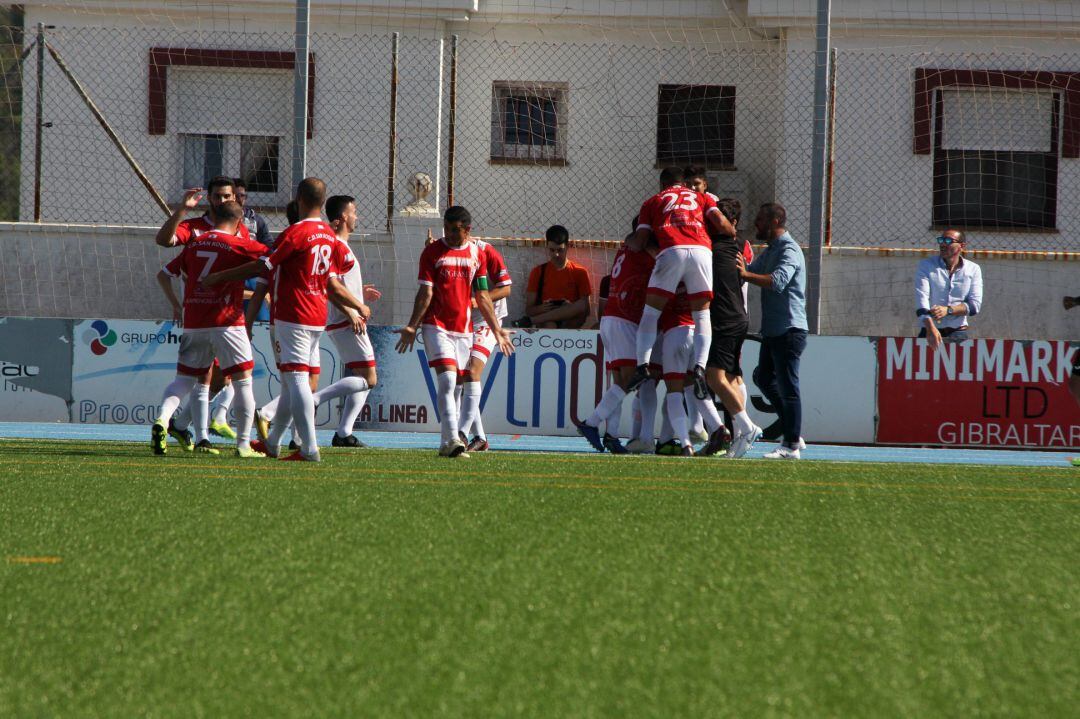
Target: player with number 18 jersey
[{"x": 304, "y": 259}]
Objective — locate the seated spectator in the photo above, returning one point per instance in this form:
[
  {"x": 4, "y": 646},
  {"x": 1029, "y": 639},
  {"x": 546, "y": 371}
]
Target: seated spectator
[{"x": 557, "y": 295}]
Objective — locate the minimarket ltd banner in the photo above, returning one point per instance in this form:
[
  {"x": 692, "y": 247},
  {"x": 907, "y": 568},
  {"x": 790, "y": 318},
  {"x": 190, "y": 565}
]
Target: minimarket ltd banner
[{"x": 980, "y": 392}]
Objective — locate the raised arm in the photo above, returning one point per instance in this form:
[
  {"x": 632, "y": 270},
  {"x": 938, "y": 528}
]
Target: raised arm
[{"x": 166, "y": 236}]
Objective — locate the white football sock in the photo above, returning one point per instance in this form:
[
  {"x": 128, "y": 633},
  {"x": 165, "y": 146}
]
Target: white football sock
[
  {"x": 647, "y": 397},
  {"x": 742, "y": 422},
  {"x": 303, "y": 412},
  {"x": 448, "y": 406},
  {"x": 702, "y": 336},
  {"x": 470, "y": 406},
  {"x": 354, "y": 403},
  {"x": 269, "y": 410},
  {"x": 677, "y": 416},
  {"x": 706, "y": 410},
  {"x": 745, "y": 395},
  {"x": 221, "y": 402},
  {"x": 183, "y": 417},
  {"x": 344, "y": 386},
  {"x": 693, "y": 413},
  {"x": 200, "y": 411},
  {"x": 170, "y": 398},
  {"x": 610, "y": 403},
  {"x": 646, "y": 334},
  {"x": 282, "y": 418},
  {"x": 245, "y": 411},
  {"x": 613, "y": 421}
]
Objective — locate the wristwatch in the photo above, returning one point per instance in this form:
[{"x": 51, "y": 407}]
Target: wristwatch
[{"x": 949, "y": 310}]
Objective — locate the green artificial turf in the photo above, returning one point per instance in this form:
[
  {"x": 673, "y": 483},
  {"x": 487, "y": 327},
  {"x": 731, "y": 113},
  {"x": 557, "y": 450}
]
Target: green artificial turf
[{"x": 396, "y": 583}]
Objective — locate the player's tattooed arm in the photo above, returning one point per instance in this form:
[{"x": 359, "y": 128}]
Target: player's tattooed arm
[
  {"x": 487, "y": 311},
  {"x": 639, "y": 239},
  {"x": 165, "y": 281},
  {"x": 242, "y": 272},
  {"x": 420, "y": 307},
  {"x": 254, "y": 304},
  {"x": 166, "y": 236}
]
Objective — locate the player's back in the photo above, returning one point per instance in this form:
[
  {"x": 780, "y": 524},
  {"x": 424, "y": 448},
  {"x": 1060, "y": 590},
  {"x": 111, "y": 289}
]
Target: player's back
[
  {"x": 304, "y": 259},
  {"x": 221, "y": 305},
  {"x": 727, "y": 307},
  {"x": 498, "y": 275},
  {"x": 353, "y": 280},
  {"x": 676, "y": 216},
  {"x": 629, "y": 279},
  {"x": 450, "y": 271}
]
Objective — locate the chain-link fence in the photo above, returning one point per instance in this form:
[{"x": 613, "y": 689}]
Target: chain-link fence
[{"x": 529, "y": 128}]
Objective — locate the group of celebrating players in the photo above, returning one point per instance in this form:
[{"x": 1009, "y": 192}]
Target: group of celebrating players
[{"x": 683, "y": 254}]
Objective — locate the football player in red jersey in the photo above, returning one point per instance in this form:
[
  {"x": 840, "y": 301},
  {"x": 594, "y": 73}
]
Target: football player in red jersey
[
  {"x": 213, "y": 318},
  {"x": 679, "y": 218},
  {"x": 177, "y": 231},
  {"x": 307, "y": 263},
  {"x": 452, "y": 273},
  {"x": 630, "y": 274},
  {"x": 483, "y": 343}
]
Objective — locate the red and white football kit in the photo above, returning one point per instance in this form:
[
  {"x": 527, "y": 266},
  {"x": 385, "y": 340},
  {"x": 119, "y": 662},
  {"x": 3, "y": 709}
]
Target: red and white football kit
[
  {"x": 304, "y": 259},
  {"x": 196, "y": 226},
  {"x": 626, "y": 298},
  {"x": 446, "y": 327},
  {"x": 676, "y": 326},
  {"x": 213, "y": 316},
  {"x": 676, "y": 216},
  {"x": 498, "y": 276},
  {"x": 355, "y": 349}
]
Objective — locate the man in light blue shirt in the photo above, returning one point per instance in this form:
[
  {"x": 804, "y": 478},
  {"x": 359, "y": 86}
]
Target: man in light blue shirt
[
  {"x": 780, "y": 272},
  {"x": 948, "y": 290}
]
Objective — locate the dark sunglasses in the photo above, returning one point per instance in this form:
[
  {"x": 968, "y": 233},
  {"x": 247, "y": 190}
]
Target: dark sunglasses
[{"x": 943, "y": 240}]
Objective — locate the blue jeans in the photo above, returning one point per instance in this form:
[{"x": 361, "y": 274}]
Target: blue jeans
[{"x": 777, "y": 376}]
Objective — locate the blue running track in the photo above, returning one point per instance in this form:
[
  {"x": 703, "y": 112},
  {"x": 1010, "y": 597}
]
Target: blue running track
[{"x": 531, "y": 443}]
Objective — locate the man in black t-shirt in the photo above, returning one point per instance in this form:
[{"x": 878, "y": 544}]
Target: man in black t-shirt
[{"x": 729, "y": 324}]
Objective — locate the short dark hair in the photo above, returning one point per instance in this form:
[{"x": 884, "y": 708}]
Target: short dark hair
[
  {"x": 311, "y": 192},
  {"x": 960, "y": 236},
  {"x": 557, "y": 234},
  {"x": 730, "y": 208},
  {"x": 457, "y": 213},
  {"x": 634, "y": 223},
  {"x": 335, "y": 206},
  {"x": 691, "y": 172},
  {"x": 292, "y": 212},
  {"x": 238, "y": 183},
  {"x": 671, "y": 176},
  {"x": 230, "y": 210},
  {"x": 774, "y": 211},
  {"x": 220, "y": 181}
]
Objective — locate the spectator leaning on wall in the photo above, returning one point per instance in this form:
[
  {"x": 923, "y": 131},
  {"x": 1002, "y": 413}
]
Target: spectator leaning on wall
[
  {"x": 557, "y": 295},
  {"x": 948, "y": 290}
]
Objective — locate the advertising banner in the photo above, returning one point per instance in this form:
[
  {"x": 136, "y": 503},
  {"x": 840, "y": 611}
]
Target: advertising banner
[
  {"x": 122, "y": 366},
  {"x": 113, "y": 371},
  {"x": 990, "y": 393}
]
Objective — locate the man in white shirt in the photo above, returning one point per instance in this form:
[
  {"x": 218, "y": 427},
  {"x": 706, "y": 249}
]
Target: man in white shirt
[{"x": 948, "y": 290}]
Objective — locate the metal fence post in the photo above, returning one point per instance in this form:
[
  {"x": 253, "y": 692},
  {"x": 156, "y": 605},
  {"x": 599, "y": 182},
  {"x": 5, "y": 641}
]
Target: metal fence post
[
  {"x": 38, "y": 119},
  {"x": 300, "y": 91},
  {"x": 822, "y": 63}
]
